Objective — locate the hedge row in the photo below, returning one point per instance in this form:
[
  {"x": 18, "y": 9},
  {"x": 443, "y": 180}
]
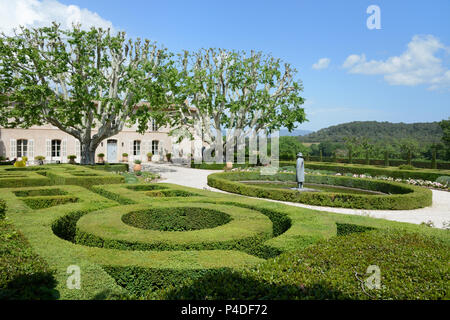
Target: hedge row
[
  {"x": 430, "y": 175},
  {"x": 23, "y": 274},
  {"x": 170, "y": 193},
  {"x": 2, "y": 209},
  {"x": 176, "y": 219},
  {"x": 105, "y": 230},
  {"x": 381, "y": 162},
  {"x": 86, "y": 179},
  {"x": 40, "y": 192},
  {"x": 343, "y": 229},
  {"x": 412, "y": 266},
  {"x": 405, "y": 197},
  {"x": 55, "y": 175}
]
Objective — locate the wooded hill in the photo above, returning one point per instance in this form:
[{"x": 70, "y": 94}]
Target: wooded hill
[{"x": 423, "y": 132}]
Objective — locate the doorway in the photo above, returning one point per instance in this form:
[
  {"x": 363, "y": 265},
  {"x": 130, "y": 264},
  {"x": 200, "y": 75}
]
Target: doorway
[{"x": 111, "y": 149}]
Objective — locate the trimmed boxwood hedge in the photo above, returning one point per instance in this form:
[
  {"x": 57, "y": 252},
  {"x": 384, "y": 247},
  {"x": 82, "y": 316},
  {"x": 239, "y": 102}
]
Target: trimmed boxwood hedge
[
  {"x": 23, "y": 274},
  {"x": 343, "y": 229},
  {"x": 170, "y": 193},
  {"x": 48, "y": 201},
  {"x": 40, "y": 192},
  {"x": 413, "y": 266},
  {"x": 2, "y": 209},
  {"x": 176, "y": 219},
  {"x": 399, "y": 196},
  {"x": 424, "y": 174},
  {"x": 245, "y": 232}
]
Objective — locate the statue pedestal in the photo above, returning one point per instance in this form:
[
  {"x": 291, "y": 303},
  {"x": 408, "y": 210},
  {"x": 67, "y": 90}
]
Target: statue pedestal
[{"x": 305, "y": 190}]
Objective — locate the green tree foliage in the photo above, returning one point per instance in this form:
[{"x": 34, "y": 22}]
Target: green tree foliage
[
  {"x": 445, "y": 126},
  {"x": 80, "y": 81},
  {"x": 246, "y": 94},
  {"x": 290, "y": 146}
]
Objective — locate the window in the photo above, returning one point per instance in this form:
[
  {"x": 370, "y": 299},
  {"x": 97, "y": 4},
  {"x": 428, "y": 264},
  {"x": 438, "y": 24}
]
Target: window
[
  {"x": 154, "y": 125},
  {"x": 155, "y": 147},
  {"x": 136, "y": 148},
  {"x": 56, "y": 148},
  {"x": 22, "y": 148}
]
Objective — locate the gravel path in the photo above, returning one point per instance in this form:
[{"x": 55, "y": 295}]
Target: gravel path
[{"x": 438, "y": 213}]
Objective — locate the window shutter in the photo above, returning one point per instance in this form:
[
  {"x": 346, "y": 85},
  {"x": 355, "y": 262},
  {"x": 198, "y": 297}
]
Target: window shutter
[
  {"x": 12, "y": 148},
  {"x": 31, "y": 149},
  {"x": 48, "y": 144},
  {"x": 77, "y": 149},
  {"x": 147, "y": 148},
  {"x": 130, "y": 152},
  {"x": 64, "y": 150}
]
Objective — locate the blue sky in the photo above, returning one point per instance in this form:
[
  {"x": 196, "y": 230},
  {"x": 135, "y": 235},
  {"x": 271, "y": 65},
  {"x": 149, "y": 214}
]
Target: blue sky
[{"x": 399, "y": 73}]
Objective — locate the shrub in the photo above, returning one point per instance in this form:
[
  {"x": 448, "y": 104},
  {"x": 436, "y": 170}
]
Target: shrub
[
  {"x": 48, "y": 201},
  {"x": 343, "y": 229},
  {"x": 412, "y": 266},
  {"x": 2, "y": 209},
  {"x": 176, "y": 219},
  {"x": 146, "y": 187},
  {"x": 170, "y": 193},
  {"x": 424, "y": 174},
  {"x": 406, "y": 167},
  {"x": 137, "y": 161},
  {"x": 124, "y": 154},
  {"x": 400, "y": 196},
  {"x": 72, "y": 157},
  {"x": 20, "y": 164},
  {"x": 106, "y": 229},
  {"x": 41, "y": 158},
  {"x": 23, "y": 274},
  {"x": 40, "y": 192},
  {"x": 101, "y": 155},
  {"x": 149, "y": 155},
  {"x": 444, "y": 180}
]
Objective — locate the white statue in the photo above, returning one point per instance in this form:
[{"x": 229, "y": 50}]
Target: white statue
[{"x": 300, "y": 170}]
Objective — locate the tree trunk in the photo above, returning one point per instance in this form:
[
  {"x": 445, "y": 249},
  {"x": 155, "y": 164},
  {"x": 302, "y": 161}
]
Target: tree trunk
[{"x": 87, "y": 152}]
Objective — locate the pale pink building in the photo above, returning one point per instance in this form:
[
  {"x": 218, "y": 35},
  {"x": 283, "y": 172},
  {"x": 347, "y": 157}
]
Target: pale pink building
[{"x": 55, "y": 145}]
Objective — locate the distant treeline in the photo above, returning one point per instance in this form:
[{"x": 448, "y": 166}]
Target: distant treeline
[
  {"x": 374, "y": 140},
  {"x": 422, "y": 133}
]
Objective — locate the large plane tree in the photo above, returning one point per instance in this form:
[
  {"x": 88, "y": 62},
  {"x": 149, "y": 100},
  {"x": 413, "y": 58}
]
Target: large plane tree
[
  {"x": 245, "y": 94},
  {"x": 87, "y": 83}
]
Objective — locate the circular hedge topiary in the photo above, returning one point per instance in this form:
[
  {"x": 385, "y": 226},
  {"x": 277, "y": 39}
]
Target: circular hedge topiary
[
  {"x": 399, "y": 196},
  {"x": 176, "y": 219},
  {"x": 240, "y": 228}
]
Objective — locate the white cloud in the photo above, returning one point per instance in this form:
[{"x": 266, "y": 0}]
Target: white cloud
[
  {"x": 323, "y": 63},
  {"x": 34, "y": 13},
  {"x": 417, "y": 65}
]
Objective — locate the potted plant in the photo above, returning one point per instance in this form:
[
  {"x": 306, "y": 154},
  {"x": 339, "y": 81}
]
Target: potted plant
[
  {"x": 101, "y": 157},
  {"x": 125, "y": 157},
  {"x": 71, "y": 158},
  {"x": 137, "y": 166},
  {"x": 169, "y": 157},
  {"x": 40, "y": 160},
  {"x": 19, "y": 163},
  {"x": 149, "y": 156}
]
